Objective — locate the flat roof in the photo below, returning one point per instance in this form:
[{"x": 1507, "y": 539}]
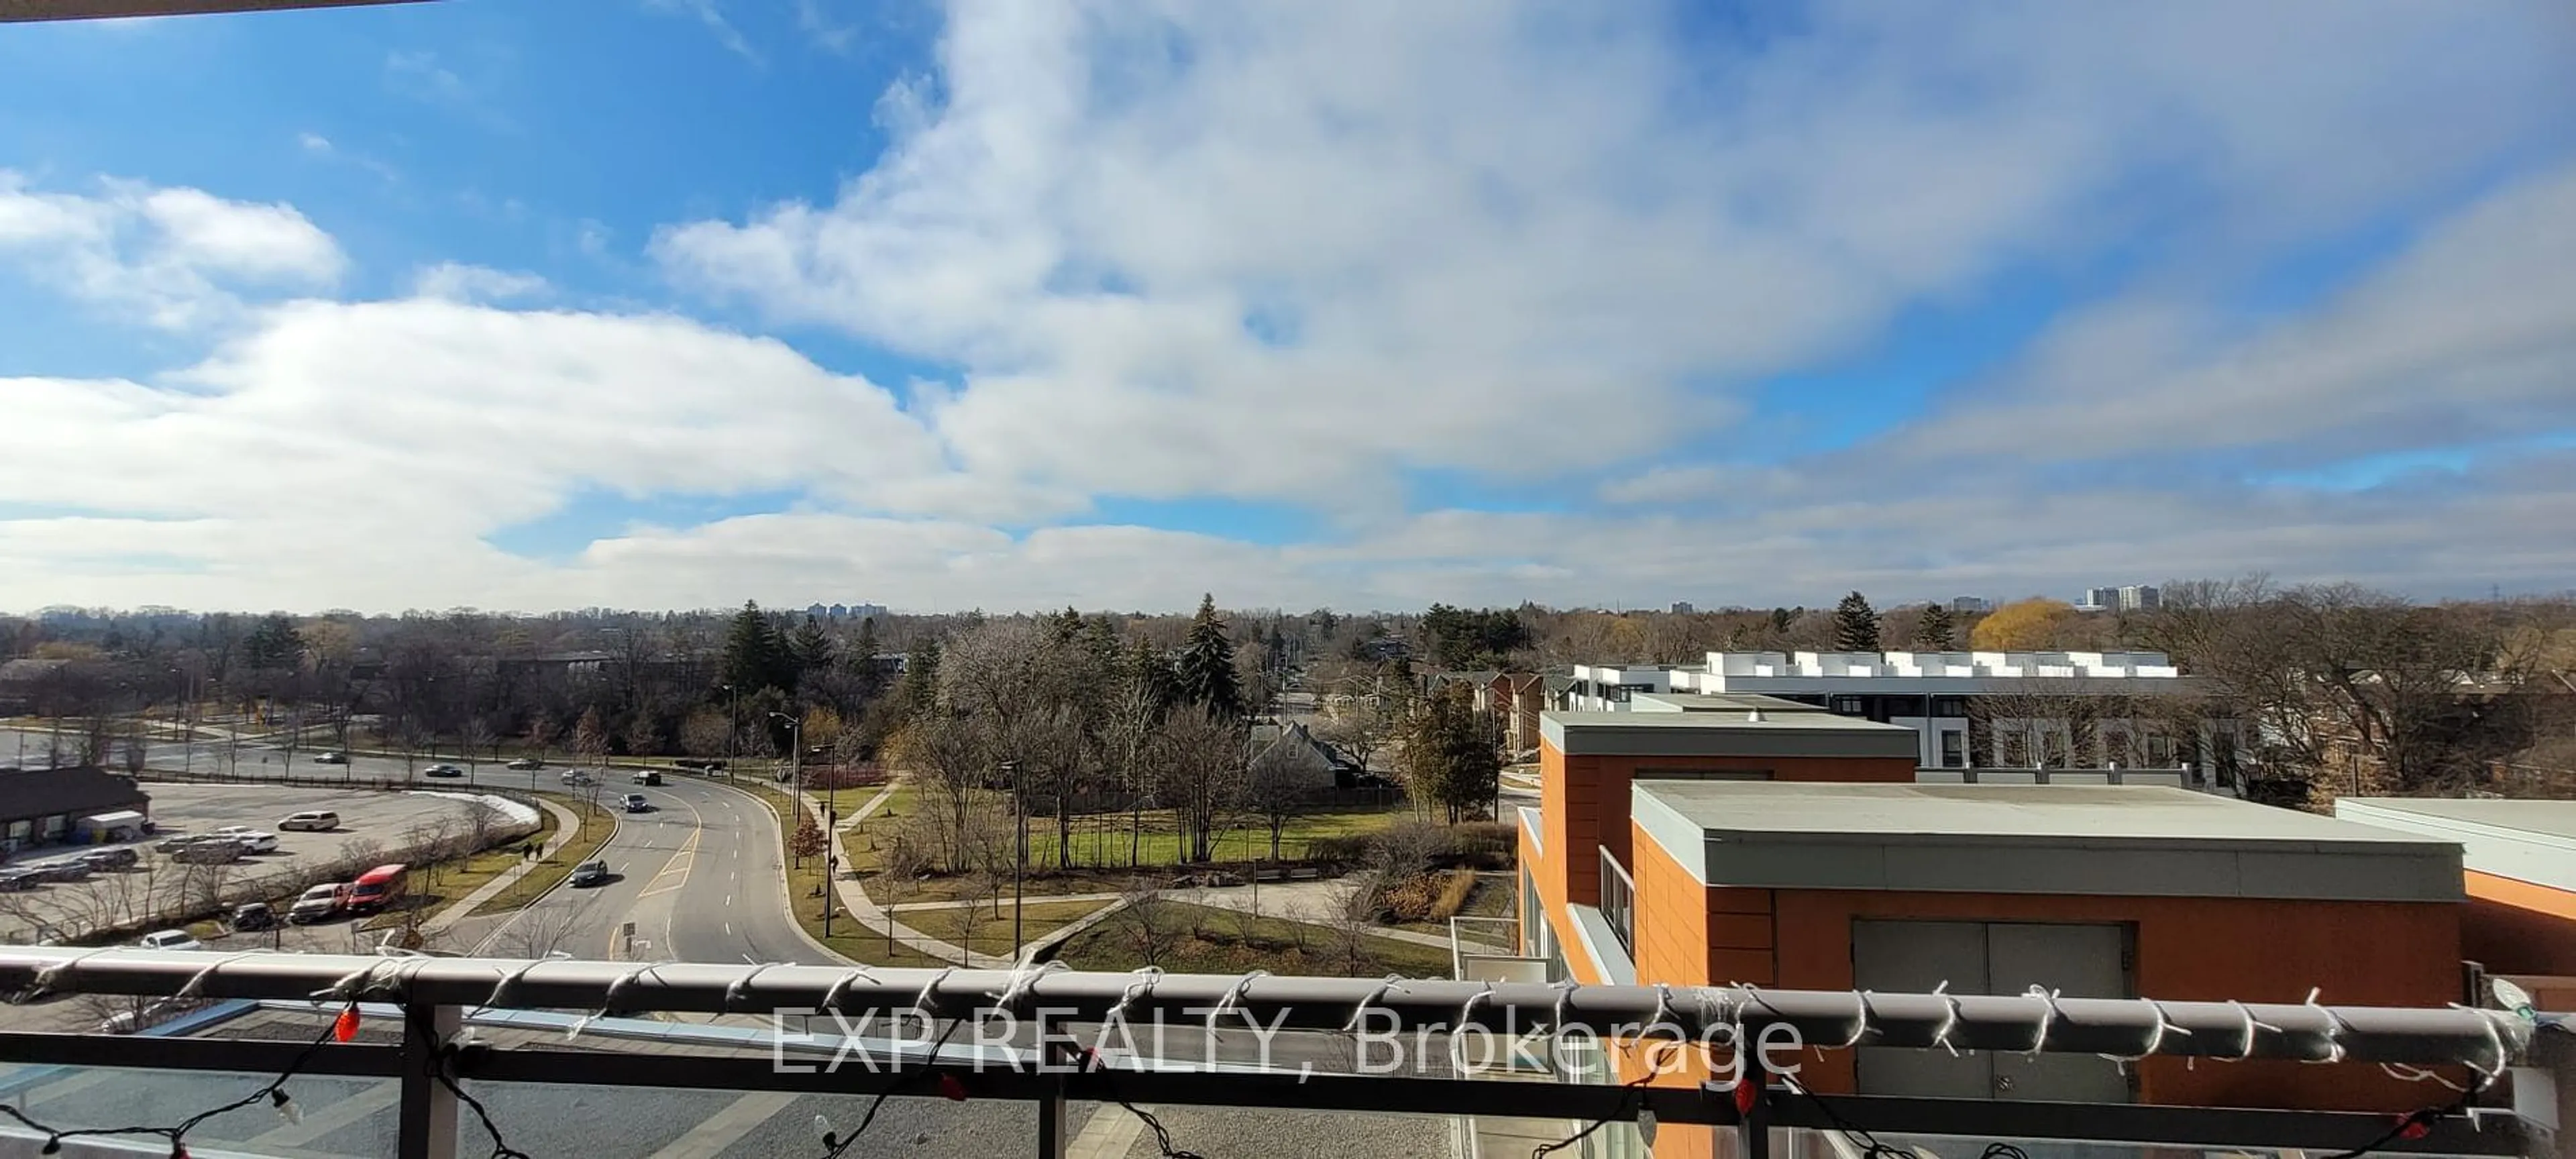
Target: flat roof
[
  {"x": 1718, "y": 702},
  {"x": 2057, "y": 839},
  {"x": 1721, "y": 733},
  {"x": 2531, "y": 841}
]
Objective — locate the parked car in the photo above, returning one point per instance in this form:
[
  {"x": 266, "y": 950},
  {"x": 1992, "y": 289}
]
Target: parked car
[
  {"x": 311, "y": 821},
  {"x": 19, "y": 880},
  {"x": 67, "y": 869},
  {"x": 251, "y": 840},
  {"x": 253, "y": 915},
  {"x": 712, "y": 766},
  {"x": 210, "y": 851},
  {"x": 635, "y": 803},
  {"x": 524, "y": 764},
  {"x": 647, "y": 777},
  {"x": 319, "y": 903},
  {"x": 110, "y": 859},
  {"x": 378, "y": 888},
  {"x": 178, "y": 841},
  {"x": 171, "y": 940},
  {"x": 589, "y": 873},
  {"x": 331, "y": 758},
  {"x": 443, "y": 771}
]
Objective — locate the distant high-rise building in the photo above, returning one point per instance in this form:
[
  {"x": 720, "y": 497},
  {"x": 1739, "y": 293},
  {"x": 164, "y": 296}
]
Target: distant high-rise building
[
  {"x": 816, "y": 611},
  {"x": 1683, "y": 608},
  {"x": 867, "y": 611},
  {"x": 1972, "y": 604},
  {"x": 840, "y": 611},
  {"x": 2099, "y": 599},
  {"x": 2140, "y": 598}
]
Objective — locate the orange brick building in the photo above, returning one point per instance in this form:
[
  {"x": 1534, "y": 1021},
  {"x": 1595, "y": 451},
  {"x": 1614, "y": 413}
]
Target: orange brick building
[
  {"x": 2519, "y": 859},
  {"x": 1796, "y": 850}
]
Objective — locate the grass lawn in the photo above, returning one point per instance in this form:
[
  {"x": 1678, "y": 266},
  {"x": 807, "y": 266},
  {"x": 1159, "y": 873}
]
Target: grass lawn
[
  {"x": 1101, "y": 845},
  {"x": 597, "y": 826},
  {"x": 976, "y": 928},
  {"x": 804, "y": 895},
  {"x": 1492, "y": 898},
  {"x": 1206, "y": 940}
]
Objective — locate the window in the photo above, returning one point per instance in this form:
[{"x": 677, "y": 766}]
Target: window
[
  {"x": 1700, "y": 775},
  {"x": 1949, "y": 706},
  {"x": 2160, "y": 754},
  {"x": 1847, "y": 706},
  {"x": 1954, "y": 749},
  {"x": 1618, "y": 901}
]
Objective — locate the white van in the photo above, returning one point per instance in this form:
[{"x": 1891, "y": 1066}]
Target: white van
[{"x": 311, "y": 820}]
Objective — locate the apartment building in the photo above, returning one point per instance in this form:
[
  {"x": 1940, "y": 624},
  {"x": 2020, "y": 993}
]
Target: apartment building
[
  {"x": 1967, "y": 709},
  {"x": 1797, "y": 849}
]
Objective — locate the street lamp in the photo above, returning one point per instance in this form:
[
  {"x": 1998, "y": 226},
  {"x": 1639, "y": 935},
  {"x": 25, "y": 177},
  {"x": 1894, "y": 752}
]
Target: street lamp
[
  {"x": 733, "y": 726},
  {"x": 795, "y": 767},
  {"x": 1019, "y": 848}
]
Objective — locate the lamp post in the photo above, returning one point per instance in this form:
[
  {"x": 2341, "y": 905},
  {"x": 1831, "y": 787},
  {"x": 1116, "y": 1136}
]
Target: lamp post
[
  {"x": 1019, "y": 848},
  {"x": 795, "y": 769},
  {"x": 733, "y": 727}
]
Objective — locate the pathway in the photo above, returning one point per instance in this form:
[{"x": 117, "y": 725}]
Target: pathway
[
  {"x": 567, "y": 826},
  {"x": 865, "y": 910}
]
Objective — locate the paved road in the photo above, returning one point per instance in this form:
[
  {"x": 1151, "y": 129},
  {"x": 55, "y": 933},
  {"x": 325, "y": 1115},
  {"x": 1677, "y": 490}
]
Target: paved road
[{"x": 699, "y": 876}]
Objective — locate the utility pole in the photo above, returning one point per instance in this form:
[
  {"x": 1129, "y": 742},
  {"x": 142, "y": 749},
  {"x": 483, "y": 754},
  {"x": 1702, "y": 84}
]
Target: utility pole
[
  {"x": 796, "y": 783},
  {"x": 831, "y": 818}
]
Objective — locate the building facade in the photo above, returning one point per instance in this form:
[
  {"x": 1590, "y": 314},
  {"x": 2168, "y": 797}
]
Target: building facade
[
  {"x": 1797, "y": 849},
  {"x": 40, "y": 807},
  {"x": 1967, "y": 709}
]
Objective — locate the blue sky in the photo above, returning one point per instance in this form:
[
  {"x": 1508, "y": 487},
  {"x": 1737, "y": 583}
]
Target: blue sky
[{"x": 681, "y": 302}]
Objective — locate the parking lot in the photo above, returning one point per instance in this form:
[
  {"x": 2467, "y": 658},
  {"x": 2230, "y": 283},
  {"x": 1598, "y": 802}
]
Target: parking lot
[{"x": 371, "y": 824}]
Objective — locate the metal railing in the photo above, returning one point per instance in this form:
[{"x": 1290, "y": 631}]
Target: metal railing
[
  {"x": 1619, "y": 901},
  {"x": 433, "y": 996}
]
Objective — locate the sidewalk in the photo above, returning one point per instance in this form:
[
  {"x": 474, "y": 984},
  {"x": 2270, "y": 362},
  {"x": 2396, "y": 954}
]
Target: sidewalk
[
  {"x": 864, "y": 909},
  {"x": 567, "y": 826}
]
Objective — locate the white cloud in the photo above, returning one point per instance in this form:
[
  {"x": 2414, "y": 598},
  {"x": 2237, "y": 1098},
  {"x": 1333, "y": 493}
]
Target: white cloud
[
  {"x": 456, "y": 281},
  {"x": 173, "y": 258},
  {"x": 313, "y": 142},
  {"x": 1287, "y": 251},
  {"x": 2466, "y": 335}
]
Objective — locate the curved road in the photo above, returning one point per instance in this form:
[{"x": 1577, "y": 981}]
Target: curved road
[{"x": 700, "y": 876}]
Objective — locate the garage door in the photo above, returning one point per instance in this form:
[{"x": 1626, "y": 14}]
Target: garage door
[{"x": 2078, "y": 961}]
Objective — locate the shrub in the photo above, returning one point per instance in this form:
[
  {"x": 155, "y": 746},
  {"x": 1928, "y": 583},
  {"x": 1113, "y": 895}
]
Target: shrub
[{"x": 1454, "y": 891}]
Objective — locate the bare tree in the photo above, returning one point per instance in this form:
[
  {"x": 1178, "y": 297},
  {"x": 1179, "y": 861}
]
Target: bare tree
[
  {"x": 1153, "y": 930},
  {"x": 1201, "y": 762},
  {"x": 947, "y": 757},
  {"x": 541, "y": 930},
  {"x": 1276, "y": 787}
]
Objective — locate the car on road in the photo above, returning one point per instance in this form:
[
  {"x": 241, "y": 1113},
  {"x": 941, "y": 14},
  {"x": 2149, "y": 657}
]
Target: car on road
[
  {"x": 19, "y": 880},
  {"x": 378, "y": 888},
  {"x": 110, "y": 860},
  {"x": 525, "y": 764},
  {"x": 311, "y": 821},
  {"x": 647, "y": 777},
  {"x": 443, "y": 771},
  {"x": 171, "y": 940},
  {"x": 577, "y": 777},
  {"x": 254, "y": 915},
  {"x": 700, "y": 763},
  {"x": 635, "y": 803},
  {"x": 589, "y": 873},
  {"x": 331, "y": 758}
]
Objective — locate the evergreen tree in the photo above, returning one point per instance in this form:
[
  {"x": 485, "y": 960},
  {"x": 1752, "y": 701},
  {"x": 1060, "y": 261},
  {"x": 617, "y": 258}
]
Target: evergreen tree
[
  {"x": 1934, "y": 631},
  {"x": 754, "y": 656},
  {"x": 810, "y": 649},
  {"x": 274, "y": 644},
  {"x": 863, "y": 661},
  {"x": 1855, "y": 625},
  {"x": 920, "y": 688},
  {"x": 1207, "y": 664},
  {"x": 1782, "y": 619},
  {"x": 1451, "y": 763}
]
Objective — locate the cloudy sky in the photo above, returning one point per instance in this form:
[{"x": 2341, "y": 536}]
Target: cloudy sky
[{"x": 657, "y": 303}]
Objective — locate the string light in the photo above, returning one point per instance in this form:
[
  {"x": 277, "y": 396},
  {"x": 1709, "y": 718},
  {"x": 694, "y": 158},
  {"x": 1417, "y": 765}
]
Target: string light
[{"x": 273, "y": 1093}]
